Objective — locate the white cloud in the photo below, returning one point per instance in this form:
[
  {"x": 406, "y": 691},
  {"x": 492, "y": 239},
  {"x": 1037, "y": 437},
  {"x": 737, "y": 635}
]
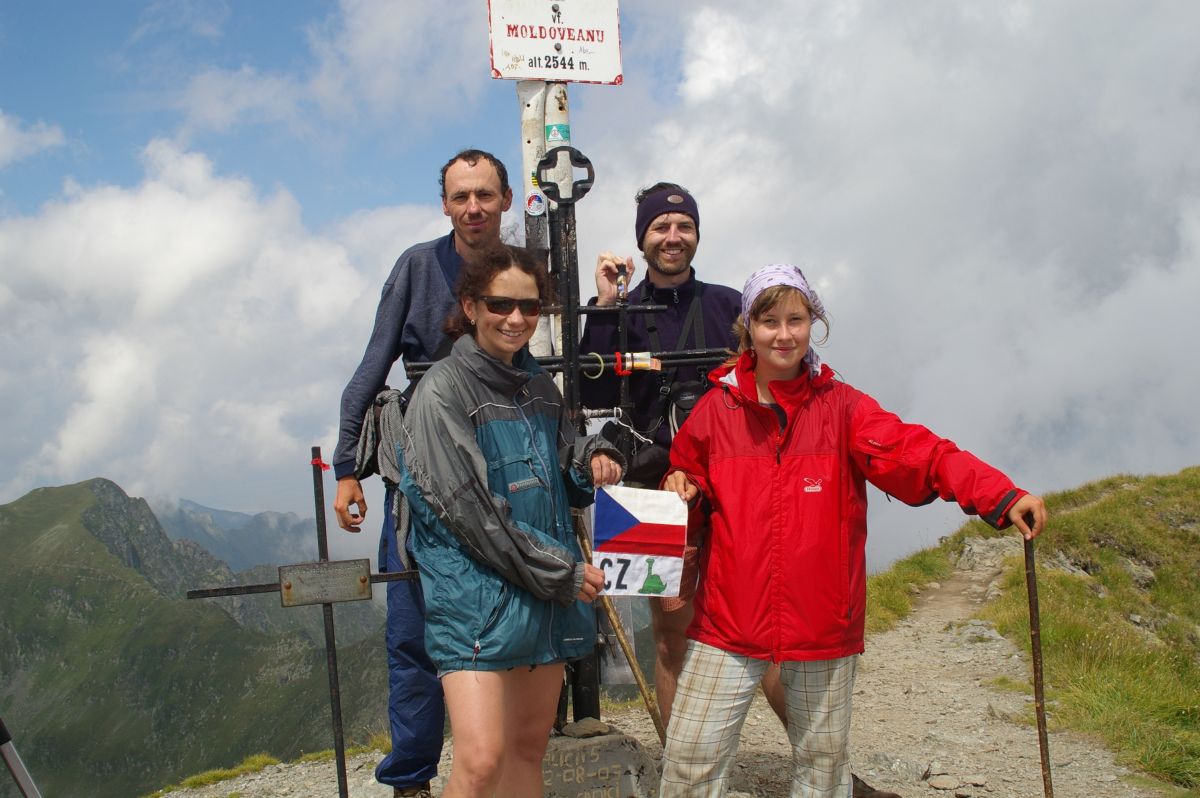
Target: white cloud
[
  {"x": 220, "y": 100},
  {"x": 202, "y": 18},
  {"x": 115, "y": 375},
  {"x": 184, "y": 336},
  {"x": 372, "y": 59},
  {"x": 18, "y": 140},
  {"x": 402, "y": 58}
]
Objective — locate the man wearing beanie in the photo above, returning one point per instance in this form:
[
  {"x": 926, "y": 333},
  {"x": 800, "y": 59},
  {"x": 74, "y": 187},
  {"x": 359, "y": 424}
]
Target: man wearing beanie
[{"x": 698, "y": 315}]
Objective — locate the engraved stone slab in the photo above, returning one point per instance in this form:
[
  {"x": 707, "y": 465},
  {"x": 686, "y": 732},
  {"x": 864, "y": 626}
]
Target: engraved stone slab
[
  {"x": 609, "y": 766},
  {"x": 324, "y": 582}
]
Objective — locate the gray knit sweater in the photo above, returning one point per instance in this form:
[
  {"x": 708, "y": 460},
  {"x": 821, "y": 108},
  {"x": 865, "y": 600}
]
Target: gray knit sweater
[{"x": 417, "y": 298}]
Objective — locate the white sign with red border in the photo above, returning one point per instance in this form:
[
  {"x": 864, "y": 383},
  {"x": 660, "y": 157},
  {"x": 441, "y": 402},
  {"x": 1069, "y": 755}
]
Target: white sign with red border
[{"x": 568, "y": 41}]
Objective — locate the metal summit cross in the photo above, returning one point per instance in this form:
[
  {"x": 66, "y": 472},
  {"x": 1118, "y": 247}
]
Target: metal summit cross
[{"x": 325, "y": 582}]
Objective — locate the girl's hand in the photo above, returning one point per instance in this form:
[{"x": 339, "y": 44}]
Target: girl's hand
[
  {"x": 1028, "y": 515},
  {"x": 605, "y": 470},
  {"x": 593, "y": 583},
  {"x": 679, "y": 482}
]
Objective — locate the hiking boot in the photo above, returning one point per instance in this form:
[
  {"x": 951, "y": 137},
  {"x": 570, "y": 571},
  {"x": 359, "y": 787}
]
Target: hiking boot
[
  {"x": 419, "y": 791},
  {"x": 864, "y": 790}
]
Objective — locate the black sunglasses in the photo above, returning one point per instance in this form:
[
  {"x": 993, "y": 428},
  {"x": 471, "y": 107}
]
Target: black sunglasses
[{"x": 504, "y": 305}]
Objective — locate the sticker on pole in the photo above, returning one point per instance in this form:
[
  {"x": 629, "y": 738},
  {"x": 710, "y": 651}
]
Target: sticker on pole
[
  {"x": 569, "y": 41},
  {"x": 640, "y": 535},
  {"x": 535, "y": 203}
]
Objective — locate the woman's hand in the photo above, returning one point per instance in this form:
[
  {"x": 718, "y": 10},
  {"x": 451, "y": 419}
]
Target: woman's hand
[
  {"x": 679, "y": 482},
  {"x": 1028, "y": 515},
  {"x": 605, "y": 470},
  {"x": 593, "y": 583}
]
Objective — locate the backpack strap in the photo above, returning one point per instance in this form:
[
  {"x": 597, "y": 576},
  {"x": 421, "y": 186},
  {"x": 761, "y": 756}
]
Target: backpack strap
[{"x": 666, "y": 378}]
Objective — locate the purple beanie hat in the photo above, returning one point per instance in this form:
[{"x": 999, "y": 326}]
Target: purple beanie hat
[{"x": 666, "y": 200}]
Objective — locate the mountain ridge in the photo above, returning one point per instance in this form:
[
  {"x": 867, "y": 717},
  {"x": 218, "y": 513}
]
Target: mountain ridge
[{"x": 104, "y": 650}]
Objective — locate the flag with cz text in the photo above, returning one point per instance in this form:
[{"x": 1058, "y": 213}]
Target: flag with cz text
[{"x": 639, "y": 537}]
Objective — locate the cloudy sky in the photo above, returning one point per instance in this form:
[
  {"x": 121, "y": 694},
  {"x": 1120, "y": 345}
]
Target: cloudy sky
[{"x": 199, "y": 201}]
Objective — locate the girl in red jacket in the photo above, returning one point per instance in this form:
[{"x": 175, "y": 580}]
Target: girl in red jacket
[{"x": 782, "y": 452}]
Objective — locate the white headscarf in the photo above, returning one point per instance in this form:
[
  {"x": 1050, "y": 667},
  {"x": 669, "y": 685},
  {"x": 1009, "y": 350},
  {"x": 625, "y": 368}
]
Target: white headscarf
[{"x": 784, "y": 274}]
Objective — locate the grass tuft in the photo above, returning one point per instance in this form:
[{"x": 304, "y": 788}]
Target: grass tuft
[{"x": 251, "y": 764}]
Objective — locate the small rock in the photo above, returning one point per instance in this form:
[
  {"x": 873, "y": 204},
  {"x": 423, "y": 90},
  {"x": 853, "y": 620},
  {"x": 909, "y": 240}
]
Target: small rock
[
  {"x": 1143, "y": 575},
  {"x": 588, "y": 727},
  {"x": 943, "y": 782}
]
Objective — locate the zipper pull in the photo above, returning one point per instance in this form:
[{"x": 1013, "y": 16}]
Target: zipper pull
[
  {"x": 675, "y": 291},
  {"x": 475, "y": 655}
]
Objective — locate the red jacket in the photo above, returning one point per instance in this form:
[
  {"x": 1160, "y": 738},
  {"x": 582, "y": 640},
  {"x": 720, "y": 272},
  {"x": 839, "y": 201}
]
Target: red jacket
[{"x": 783, "y": 572}]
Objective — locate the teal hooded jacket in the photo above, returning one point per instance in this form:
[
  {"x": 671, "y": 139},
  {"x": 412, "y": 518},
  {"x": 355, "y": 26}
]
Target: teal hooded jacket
[{"x": 491, "y": 467}]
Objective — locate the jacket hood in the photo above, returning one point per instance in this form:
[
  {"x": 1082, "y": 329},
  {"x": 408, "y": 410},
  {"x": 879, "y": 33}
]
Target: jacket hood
[
  {"x": 738, "y": 381},
  {"x": 495, "y": 373}
]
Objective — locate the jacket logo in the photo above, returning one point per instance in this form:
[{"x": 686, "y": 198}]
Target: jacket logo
[
  {"x": 812, "y": 485},
  {"x": 523, "y": 484}
]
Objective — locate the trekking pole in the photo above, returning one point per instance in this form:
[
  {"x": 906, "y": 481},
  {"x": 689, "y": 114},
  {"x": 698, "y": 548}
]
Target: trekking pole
[
  {"x": 615, "y": 622},
  {"x": 1035, "y": 643},
  {"x": 15, "y": 766}
]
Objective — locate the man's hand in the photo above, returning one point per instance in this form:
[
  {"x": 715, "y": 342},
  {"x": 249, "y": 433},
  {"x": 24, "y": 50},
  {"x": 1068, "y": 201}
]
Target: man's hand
[
  {"x": 606, "y": 277},
  {"x": 1028, "y": 515},
  {"x": 349, "y": 492},
  {"x": 593, "y": 583},
  {"x": 679, "y": 482},
  {"x": 605, "y": 470}
]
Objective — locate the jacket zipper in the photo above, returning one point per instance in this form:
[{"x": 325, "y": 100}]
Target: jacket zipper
[{"x": 487, "y": 624}]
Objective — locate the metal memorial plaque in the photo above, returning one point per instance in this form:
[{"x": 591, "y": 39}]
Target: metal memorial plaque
[{"x": 324, "y": 582}]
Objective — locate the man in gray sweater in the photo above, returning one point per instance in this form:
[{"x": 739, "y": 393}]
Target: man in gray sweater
[{"x": 417, "y": 297}]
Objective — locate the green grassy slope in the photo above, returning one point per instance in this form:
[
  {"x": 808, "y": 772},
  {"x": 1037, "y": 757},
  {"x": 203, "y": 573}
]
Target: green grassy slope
[
  {"x": 112, "y": 688},
  {"x": 1121, "y": 637}
]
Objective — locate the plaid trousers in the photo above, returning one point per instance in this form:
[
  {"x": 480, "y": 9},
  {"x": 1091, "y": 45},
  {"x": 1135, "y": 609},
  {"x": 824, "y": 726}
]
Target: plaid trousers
[{"x": 711, "y": 701}]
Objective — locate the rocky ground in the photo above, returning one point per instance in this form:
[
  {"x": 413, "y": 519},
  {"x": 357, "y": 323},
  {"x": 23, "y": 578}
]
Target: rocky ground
[{"x": 927, "y": 721}]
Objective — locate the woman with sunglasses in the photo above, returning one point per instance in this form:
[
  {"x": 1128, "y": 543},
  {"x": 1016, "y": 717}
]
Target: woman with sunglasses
[{"x": 491, "y": 467}]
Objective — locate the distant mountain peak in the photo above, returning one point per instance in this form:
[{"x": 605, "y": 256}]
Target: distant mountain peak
[{"x": 242, "y": 540}]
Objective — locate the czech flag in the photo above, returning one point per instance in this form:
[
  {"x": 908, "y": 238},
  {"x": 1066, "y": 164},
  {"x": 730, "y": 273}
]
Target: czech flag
[{"x": 639, "y": 539}]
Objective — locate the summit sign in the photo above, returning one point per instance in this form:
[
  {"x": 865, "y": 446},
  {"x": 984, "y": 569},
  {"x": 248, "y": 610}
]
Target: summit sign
[{"x": 570, "y": 41}]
